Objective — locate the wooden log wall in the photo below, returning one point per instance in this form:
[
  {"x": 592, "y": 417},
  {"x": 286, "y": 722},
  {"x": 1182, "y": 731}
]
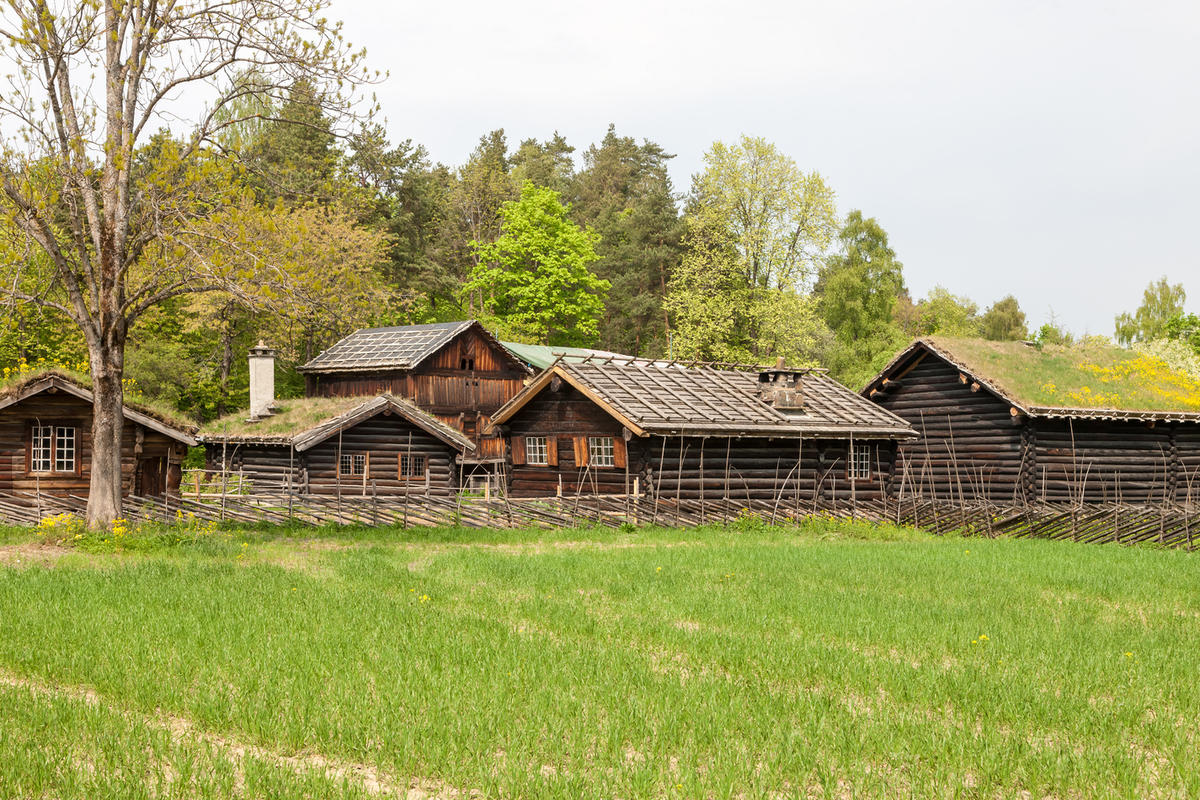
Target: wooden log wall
[
  {"x": 141, "y": 448},
  {"x": 1106, "y": 461},
  {"x": 970, "y": 445},
  {"x": 1187, "y": 445},
  {"x": 790, "y": 471},
  {"x": 688, "y": 468},
  {"x": 381, "y": 439},
  {"x": 561, "y": 414}
]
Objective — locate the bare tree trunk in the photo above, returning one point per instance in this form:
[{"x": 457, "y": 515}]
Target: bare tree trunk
[{"x": 108, "y": 421}]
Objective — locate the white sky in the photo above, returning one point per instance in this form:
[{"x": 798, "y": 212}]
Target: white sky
[{"x": 1048, "y": 149}]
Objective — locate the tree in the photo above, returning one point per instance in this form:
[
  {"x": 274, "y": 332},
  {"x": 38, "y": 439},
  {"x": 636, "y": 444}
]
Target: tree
[
  {"x": 1004, "y": 321},
  {"x": 858, "y": 291},
  {"x": 1160, "y": 302},
  {"x": 474, "y": 197},
  {"x": 944, "y": 314},
  {"x": 625, "y": 194},
  {"x": 89, "y": 83},
  {"x": 546, "y": 163},
  {"x": 1184, "y": 328},
  {"x": 780, "y": 219},
  {"x": 1053, "y": 333},
  {"x": 758, "y": 224},
  {"x": 534, "y": 279}
]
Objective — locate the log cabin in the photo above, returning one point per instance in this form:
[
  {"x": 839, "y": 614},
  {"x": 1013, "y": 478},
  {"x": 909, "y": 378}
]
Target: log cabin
[
  {"x": 456, "y": 371},
  {"x": 344, "y": 446},
  {"x": 46, "y": 440},
  {"x": 620, "y": 425},
  {"x": 1013, "y": 422}
]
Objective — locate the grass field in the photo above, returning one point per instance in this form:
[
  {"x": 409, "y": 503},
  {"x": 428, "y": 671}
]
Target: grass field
[{"x": 827, "y": 661}]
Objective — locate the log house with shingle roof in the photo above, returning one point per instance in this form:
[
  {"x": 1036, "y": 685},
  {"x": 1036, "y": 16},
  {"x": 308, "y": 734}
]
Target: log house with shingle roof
[
  {"x": 456, "y": 371},
  {"x": 687, "y": 432}
]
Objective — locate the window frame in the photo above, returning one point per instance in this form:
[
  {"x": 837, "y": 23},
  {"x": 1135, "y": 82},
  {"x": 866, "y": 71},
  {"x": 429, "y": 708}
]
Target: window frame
[
  {"x": 355, "y": 459},
  {"x": 413, "y": 458},
  {"x": 858, "y": 462},
  {"x": 56, "y": 430},
  {"x": 544, "y": 443},
  {"x": 602, "y": 452}
]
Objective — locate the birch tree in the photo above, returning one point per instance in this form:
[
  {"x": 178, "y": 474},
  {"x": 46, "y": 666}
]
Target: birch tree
[{"x": 90, "y": 81}]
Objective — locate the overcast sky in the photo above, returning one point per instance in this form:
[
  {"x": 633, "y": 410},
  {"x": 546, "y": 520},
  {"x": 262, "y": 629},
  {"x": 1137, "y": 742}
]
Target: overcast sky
[{"x": 1045, "y": 149}]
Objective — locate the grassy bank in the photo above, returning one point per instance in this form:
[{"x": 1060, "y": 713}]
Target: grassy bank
[{"x": 824, "y": 661}]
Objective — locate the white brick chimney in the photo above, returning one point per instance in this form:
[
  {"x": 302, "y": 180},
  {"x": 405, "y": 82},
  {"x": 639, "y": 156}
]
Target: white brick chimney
[{"x": 262, "y": 381}]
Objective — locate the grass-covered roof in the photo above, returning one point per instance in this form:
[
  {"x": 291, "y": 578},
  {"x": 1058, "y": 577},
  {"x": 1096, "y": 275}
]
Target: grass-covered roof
[
  {"x": 290, "y": 418},
  {"x": 1094, "y": 374},
  {"x": 14, "y": 382}
]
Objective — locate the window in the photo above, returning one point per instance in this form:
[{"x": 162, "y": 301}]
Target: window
[
  {"x": 52, "y": 448},
  {"x": 412, "y": 467},
  {"x": 353, "y": 464},
  {"x": 600, "y": 451},
  {"x": 537, "y": 451},
  {"x": 860, "y": 462},
  {"x": 466, "y": 364},
  {"x": 64, "y": 449}
]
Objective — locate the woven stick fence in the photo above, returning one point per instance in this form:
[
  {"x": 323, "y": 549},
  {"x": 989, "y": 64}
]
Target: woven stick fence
[{"x": 1166, "y": 525}]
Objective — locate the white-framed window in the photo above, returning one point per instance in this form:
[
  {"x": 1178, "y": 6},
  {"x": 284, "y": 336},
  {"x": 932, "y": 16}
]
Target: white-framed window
[
  {"x": 859, "y": 466},
  {"x": 537, "y": 451},
  {"x": 353, "y": 464},
  {"x": 53, "y": 448},
  {"x": 600, "y": 451},
  {"x": 64, "y": 449},
  {"x": 412, "y": 467}
]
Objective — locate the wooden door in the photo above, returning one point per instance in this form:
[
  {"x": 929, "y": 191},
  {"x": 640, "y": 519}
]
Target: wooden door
[{"x": 152, "y": 477}]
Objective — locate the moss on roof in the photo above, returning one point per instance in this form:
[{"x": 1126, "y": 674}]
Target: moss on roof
[
  {"x": 15, "y": 381},
  {"x": 1092, "y": 374},
  {"x": 290, "y": 418}
]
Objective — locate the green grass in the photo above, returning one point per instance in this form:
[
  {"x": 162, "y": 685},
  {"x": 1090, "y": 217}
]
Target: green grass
[
  {"x": 827, "y": 661},
  {"x": 1092, "y": 374}
]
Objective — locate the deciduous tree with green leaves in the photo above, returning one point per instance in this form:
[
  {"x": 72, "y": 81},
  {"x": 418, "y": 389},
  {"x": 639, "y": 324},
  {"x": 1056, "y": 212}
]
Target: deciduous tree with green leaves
[
  {"x": 1004, "y": 321},
  {"x": 533, "y": 280},
  {"x": 89, "y": 82},
  {"x": 1161, "y": 302},
  {"x": 760, "y": 225},
  {"x": 858, "y": 290}
]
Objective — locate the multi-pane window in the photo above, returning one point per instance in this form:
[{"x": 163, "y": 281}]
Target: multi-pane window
[
  {"x": 860, "y": 462},
  {"x": 53, "y": 448},
  {"x": 64, "y": 449},
  {"x": 600, "y": 451},
  {"x": 412, "y": 467},
  {"x": 537, "y": 451},
  {"x": 353, "y": 464}
]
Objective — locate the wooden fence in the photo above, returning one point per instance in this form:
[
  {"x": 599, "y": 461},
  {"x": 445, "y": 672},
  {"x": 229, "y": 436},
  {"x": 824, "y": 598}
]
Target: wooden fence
[{"x": 1166, "y": 525}]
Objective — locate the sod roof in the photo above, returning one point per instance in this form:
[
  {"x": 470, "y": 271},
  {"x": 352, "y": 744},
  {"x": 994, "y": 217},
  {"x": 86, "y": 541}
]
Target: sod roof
[
  {"x": 1092, "y": 379},
  {"x": 17, "y": 386},
  {"x": 308, "y": 421}
]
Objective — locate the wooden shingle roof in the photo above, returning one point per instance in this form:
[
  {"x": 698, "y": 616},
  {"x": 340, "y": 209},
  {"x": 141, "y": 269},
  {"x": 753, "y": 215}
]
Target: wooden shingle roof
[
  {"x": 399, "y": 347},
  {"x": 653, "y": 398}
]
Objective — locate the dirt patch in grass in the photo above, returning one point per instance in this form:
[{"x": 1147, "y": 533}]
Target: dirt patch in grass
[{"x": 31, "y": 554}]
